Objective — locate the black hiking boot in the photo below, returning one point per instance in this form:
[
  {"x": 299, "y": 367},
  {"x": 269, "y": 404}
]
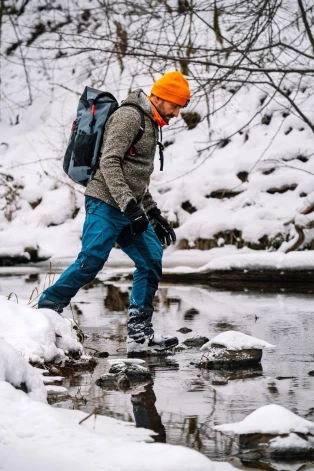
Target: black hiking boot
[{"x": 151, "y": 345}]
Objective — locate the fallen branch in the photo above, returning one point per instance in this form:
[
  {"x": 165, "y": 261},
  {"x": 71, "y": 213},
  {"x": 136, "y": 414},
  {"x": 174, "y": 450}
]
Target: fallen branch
[{"x": 89, "y": 415}]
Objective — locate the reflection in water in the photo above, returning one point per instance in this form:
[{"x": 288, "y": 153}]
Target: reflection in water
[
  {"x": 116, "y": 300},
  {"x": 224, "y": 375},
  {"x": 190, "y": 314},
  {"x": 145, "y": 413}
]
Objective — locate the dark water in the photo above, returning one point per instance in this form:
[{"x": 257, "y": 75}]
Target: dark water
[{"x": 184, "y": 402}]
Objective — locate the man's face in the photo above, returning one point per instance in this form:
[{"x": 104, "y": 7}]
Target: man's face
[{"x": 168, "y": 110}]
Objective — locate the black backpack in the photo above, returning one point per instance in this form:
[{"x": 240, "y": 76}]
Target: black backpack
[{"x": 82, "y": 154}]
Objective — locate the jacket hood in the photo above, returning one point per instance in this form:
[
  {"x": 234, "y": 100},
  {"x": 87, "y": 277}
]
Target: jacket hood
[{"x": 138, "y": 98}]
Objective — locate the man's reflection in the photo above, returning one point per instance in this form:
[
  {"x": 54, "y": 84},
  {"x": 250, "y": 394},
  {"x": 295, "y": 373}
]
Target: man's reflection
[{"x": 145, "y": 412}]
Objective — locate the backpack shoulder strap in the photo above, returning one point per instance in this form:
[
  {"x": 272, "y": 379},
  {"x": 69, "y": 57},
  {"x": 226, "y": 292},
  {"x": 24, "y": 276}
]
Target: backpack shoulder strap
[{"x": 141, "y": 131}]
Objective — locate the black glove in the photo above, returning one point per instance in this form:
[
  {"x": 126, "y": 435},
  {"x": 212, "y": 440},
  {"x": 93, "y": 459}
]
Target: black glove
[
  {"x": 163, "y": 230},
  {"x": 137, "y": 218}
]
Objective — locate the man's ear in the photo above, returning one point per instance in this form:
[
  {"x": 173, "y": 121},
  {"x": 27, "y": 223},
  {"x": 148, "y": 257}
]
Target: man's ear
[{"x": 156, "y": 100}]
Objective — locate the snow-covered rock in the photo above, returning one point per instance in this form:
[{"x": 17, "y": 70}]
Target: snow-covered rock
[
  {"x": 38, "y": 334},
  {"x": 221, "y": 357},
  {"x": 275, "y": 431},
  {"x": 34, "y": 435},
  {"x": 234, "y": 340},
  {"x": 233, "y": 349}
]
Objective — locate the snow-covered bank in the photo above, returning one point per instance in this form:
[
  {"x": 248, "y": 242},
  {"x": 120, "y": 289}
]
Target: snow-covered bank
[
  {"x": 225, "y": 264},
  {"x": 196, "y": 261},
  {"x": 36, "y": 435},
  {"x": 39, "y": 335},
  {"x": 16, "y": 371}
]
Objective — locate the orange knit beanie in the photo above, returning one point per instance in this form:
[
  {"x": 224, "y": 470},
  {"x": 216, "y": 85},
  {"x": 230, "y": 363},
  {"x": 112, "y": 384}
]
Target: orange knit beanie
[{"x": 172, "y": 87}]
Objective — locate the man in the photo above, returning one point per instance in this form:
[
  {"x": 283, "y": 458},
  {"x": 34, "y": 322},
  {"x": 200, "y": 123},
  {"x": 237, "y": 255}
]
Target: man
[{"x": 119, "y": 208}]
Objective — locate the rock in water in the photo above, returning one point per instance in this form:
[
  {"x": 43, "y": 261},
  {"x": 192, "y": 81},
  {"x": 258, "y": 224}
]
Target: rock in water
[
  {"x": 220, "y": 357},
  {"x": 234, "y": 340},
  {"x": 196, "y": 341},
  {"x": 232, "y": 349},
  {"x": 124, "y": 375},
  {"x": 275, "y": 432},
  {"x": 184, "y": 330}
]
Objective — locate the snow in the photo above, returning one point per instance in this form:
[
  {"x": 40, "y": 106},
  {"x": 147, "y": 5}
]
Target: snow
[
  {"x": 15, "y": 370},
  {"x": 270, "y": 419},
  {"x": 234, "y": 340},
  {"x": 50, "y": 388},
  {"x": 32, "y": 332},
  {"x": 52, "y": 379},
  {"x": 262, "y": 260},
  {"x": 224, "y": 258},
  {"x": 292, "y": 441},
  {"x": 34, "y": 435}
]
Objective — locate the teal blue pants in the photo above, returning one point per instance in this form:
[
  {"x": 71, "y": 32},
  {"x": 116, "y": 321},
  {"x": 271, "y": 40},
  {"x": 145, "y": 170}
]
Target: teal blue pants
[{"x": 104, "y": 225}]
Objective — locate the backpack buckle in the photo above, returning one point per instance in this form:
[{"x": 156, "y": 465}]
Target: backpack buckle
[{"x": 132, "y": 151}]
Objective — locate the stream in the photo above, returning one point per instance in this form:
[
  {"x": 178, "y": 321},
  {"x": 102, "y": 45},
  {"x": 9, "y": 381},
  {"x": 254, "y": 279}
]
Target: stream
[{"x": 185, "y": 402}]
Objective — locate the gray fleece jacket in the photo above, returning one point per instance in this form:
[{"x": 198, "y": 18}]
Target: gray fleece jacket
[{"x": 120, "y": 177}]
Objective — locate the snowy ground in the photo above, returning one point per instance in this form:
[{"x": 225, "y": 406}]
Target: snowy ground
[{"x": 36, "y": 435}]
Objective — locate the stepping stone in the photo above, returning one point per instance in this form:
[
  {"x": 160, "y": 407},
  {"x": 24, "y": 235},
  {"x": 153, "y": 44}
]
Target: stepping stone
[
  {"x": 125, "y": 374},
  {"x": 232, "y": 349}
]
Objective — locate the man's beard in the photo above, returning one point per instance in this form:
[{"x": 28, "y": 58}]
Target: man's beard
[{"x": 167, "y": 117}]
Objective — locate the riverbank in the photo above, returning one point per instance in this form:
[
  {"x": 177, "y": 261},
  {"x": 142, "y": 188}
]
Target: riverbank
[{"x": 225, "y": 267}]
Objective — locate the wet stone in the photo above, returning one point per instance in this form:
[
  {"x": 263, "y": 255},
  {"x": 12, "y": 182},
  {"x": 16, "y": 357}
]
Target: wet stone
[
  {"x": 220, "y": 357},
  {"x": 196, "y": 341},
  {"x": 53, "y": 370},
  {"x": 184, "y": 330},
  {"x": 124, "y": 377},
  {"x": 53, "y": 380},
  {"x": 219, "y": 381},
  {"x": 56, "y": 394},
  {"x": 101, "y": 355},
  {"x": 71, "y": 366}
]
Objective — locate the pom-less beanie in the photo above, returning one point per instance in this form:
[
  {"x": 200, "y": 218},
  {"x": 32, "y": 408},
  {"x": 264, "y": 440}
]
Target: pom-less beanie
[{"x": 172, "y": 87}]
